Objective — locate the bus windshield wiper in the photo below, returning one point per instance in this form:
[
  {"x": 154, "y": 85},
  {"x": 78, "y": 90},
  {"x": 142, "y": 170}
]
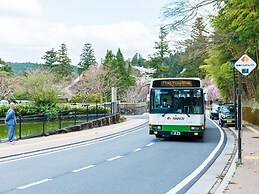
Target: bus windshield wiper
[
  {"x": 186, "y": 110},
  {"x": 166, "y": 112}
]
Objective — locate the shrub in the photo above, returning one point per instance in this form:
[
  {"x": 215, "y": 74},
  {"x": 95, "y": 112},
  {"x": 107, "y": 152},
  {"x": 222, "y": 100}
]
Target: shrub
[{"x": 91, "y": 98}]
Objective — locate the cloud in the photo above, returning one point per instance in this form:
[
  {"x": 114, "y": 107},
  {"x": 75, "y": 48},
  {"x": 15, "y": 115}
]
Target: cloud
[
  {"x": 26, "y": 34},
  {"x": 20, "y": 7},
  {"x": 125, "y": 35},
  {"x": 28, "y": 39}
]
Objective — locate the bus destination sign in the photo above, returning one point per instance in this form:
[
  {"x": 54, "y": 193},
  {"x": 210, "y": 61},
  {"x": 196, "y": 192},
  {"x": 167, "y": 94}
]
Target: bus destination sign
[{"x": 176, "y": 83}]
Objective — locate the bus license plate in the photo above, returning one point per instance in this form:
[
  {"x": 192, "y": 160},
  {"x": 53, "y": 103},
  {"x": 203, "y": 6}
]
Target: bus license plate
[
  {"x": 229, "y": 121},
  {"x": 175, "y": 133}
]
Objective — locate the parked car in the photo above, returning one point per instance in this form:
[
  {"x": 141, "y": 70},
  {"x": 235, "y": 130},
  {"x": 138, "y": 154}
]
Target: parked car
[
  {"x": 4, "y": 102},
  {"x": 227, "y": 115},
  {"x": 21, "y": 101},
  {"x": 214, "y": 111}
]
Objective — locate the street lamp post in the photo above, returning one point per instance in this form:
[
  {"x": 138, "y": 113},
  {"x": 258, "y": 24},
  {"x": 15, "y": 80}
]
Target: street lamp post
[{"x": 233, "y": 61}]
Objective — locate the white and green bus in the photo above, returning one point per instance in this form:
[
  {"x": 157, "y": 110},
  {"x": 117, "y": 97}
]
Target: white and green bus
[{"x": 176, "y": 107}]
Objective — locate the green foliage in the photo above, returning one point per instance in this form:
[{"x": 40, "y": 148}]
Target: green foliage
[
  {"x": 3, "y": 110},
  {"x": 51, "y": 111},
  {"x": 23, "y": 67},
  {"x": 226, "y": 86},
  {"x": 91, "y": 98},
  {"x": 64, "y": 67},
  {"x": 138, "y": 60},
  {"x": 87, "y": 58},
  {"x": 22, "y": 109},
  {"x": 58, "y": 62},
  {"x": 75, "y": 99},
  {"x": 40, "y": 87},
  {"x": 196, "y": 51},
  {"x": 119, "y": 73},
  {"x": 236, "y": 33},
  {"x": 257, "y": 96},
  {"x": 175, "y": 66},
  {"x": 158, "y": 59},
  {"x": 4, "y": 68},
  {"x": 50, "y": 58}
]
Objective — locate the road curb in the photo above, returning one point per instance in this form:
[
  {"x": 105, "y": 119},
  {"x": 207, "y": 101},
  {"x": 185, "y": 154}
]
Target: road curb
[
  {"x": 221, "y": 171},
  {"x": 201, "y": 180},
  {"x": 229, "y": 170}
]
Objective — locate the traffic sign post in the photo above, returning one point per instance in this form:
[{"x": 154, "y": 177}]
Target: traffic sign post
[{"x": 244, "y": 65}]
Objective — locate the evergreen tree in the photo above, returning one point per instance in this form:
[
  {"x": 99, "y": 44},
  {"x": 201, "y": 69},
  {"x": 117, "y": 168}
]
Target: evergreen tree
[
  {"x": 64, "y": 67},
  {"x": 50, "y": 58},
  {"x": 196, "y": 51},
  {"x": 123, "y": 72},
  {"x": 118, "y": 72},
  {"x": 157, "y": 61},
  {"x": 109, "y": 68},
  {"x": 87, "y": 58},
  {"x": 175, "y": 66},
  {"x": 138, "y": 60},
  {"x": 4, "y": 68}
]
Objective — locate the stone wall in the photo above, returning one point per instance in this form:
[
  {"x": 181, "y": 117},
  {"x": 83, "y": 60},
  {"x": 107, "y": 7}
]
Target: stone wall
[
  {"x": 132, "y": 108},
  {"x": 109, "y": 120}
]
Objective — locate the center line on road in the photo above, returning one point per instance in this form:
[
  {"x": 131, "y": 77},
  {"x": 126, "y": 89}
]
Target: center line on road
[
  {"x": 138, "y": 149},
  {"x": 150, "y": 144},
  {"x": 34, "y": 184},
  {"x": 114, "y": 158},
  {"x": 84, "y": 168}
]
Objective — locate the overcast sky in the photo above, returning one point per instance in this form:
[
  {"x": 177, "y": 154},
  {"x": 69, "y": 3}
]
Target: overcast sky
[{"x": 31, "y": 27}]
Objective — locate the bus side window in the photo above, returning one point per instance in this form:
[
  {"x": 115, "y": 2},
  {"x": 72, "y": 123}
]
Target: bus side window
[{"x": 197, "y": 105}]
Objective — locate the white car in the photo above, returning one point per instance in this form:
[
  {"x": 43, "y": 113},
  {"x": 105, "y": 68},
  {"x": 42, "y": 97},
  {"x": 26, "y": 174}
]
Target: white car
[{"x": 4, "y": 102}]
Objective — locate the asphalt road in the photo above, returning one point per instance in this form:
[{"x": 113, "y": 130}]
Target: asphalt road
[{"x": 131, "y": 163}]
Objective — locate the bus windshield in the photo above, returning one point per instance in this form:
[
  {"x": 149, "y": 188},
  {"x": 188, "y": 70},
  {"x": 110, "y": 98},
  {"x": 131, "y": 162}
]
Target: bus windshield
[{"x": 180, "y": 101}]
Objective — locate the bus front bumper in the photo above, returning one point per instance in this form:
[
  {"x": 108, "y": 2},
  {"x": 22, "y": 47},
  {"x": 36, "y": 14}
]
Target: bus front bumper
[{"x": 197, "y": 134}]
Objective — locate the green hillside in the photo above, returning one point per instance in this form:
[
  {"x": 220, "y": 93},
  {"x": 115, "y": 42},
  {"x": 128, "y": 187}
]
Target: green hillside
[{"x": 23, "y": 67}]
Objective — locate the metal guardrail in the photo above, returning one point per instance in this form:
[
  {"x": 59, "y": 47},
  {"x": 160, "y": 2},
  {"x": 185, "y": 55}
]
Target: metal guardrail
[{"x": 40, "y": 124}]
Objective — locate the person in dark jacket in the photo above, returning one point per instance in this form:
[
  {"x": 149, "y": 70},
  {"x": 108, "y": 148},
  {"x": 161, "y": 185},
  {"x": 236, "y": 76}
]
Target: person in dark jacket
[{"x": 10, "y": 121}]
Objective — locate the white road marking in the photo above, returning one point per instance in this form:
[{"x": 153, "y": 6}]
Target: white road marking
[
  {"x": 34, "y": 184},
  {"x": 114, "y": 158},
  {"x": 57, "y": 150},
  {"x": 150, "y": 144},
  {"x": 84, "y": 168},
  {"x": 198, "y": 170},
  {"x": 138, "y": 149}
]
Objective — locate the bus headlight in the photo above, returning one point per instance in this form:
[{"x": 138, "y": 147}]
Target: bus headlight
[
  {"x": 156, "y": 127},
  {"x": 195, "y": 128}
]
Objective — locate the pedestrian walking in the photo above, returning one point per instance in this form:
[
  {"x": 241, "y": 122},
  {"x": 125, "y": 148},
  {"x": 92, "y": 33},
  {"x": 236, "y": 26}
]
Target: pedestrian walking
[{"x": 10, "y": 121}]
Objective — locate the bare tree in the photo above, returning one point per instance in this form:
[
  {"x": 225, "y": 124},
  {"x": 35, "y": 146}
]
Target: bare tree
[
  {"x": 137, "y": 93},
  {"x": 181, "y": 12},
  {"x": 89, "y": 82},
  {"x": 6, "y": 86}
]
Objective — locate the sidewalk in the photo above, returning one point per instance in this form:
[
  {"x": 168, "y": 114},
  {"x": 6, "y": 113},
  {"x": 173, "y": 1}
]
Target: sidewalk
[
  {"x": 246, "y": 176},
  {"x": 53, "y": 141}
]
